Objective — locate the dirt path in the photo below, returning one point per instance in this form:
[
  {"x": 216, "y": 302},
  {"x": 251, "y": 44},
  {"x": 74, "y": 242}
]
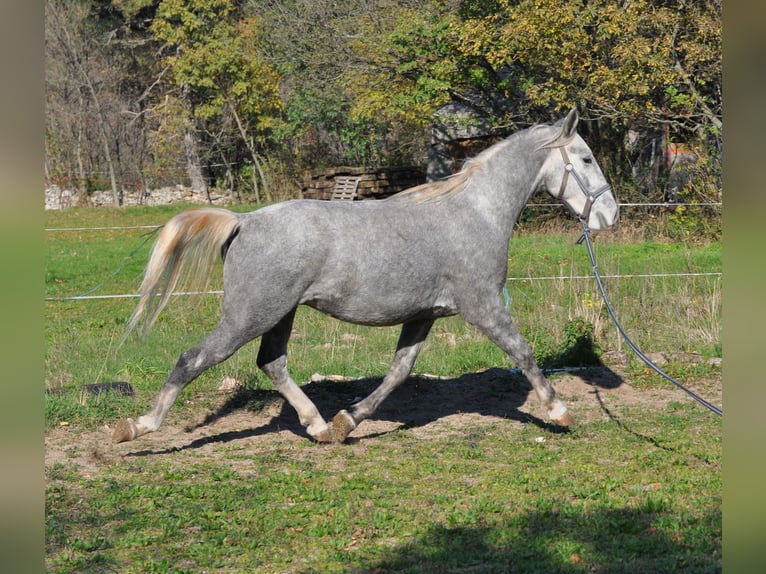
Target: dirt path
[{"x": 256, "y": 421}]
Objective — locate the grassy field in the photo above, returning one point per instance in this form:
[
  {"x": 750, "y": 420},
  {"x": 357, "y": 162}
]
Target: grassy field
[{"x": 634, "y": 487}]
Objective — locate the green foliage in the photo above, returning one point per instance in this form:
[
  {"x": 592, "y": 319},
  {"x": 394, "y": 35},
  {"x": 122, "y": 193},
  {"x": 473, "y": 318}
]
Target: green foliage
[
  {"x": 580, "y": 345},
  {"x": 216, "y": 56},
  {"x": 622, "y": 62},
  {"x": 577, "y": 347},
  {"x": 692, "y": 225},
  {"x": 414, "y": 65},
  {"x": 305, "y": 84}
]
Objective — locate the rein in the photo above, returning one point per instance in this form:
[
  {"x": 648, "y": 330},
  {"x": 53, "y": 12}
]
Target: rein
[
  {"x": 586, "y": 239},
  {"x": 583, "y": 218}
]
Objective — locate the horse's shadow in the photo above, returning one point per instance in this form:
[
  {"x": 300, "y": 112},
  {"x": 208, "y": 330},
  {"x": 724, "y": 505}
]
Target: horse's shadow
[{"x": 419, "y": 401}]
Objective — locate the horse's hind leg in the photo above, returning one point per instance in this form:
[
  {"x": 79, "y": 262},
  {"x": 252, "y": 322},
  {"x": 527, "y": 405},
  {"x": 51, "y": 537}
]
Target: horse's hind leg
[
  {"x": 217, "y": 347},
  {"x": 272, "y": 360},
  {"x": 502, "y": 331},
  {"x": 410, "y": 341}
]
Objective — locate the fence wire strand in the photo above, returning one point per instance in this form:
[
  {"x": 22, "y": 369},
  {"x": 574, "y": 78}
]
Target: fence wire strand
[
  {"x": 87, "y": 296},
  {"x": 509, "y": 279},
  {"x": 662, "y": 204}
]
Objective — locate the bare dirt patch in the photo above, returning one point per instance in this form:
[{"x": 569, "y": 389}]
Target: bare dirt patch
[{"x": 260, "y": 421}]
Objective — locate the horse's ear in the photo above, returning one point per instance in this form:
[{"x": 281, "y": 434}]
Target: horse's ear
[
  {"x": 570, "y": 123},
  {"x": 568, "y": 130}
]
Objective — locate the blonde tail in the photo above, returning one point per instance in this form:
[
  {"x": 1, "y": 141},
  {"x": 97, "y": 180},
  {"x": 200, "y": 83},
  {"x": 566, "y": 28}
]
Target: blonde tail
[{"x": 186, "y": 249}]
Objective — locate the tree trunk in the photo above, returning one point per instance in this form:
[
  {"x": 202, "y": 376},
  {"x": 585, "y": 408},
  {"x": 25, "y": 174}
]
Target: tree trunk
[
  {"x": 253, "y": 155},
  {"x": 78, "y": 62},
  {"x": 116, "y": 195},
  {"x": 191, "y": 150},
  {"x": 266, "y": 190},
  {"x": 193, "y": 167}
]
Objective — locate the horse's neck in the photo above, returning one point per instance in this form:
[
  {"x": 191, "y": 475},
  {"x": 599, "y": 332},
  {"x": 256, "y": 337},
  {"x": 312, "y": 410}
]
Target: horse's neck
[{"x": 503, "y": 186}]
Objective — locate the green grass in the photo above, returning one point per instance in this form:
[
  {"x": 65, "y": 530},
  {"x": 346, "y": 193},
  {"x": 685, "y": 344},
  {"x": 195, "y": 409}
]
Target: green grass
[
  {"x": 484, "y": 500},
  {"x": 636, "y": 491},
  {"x": 661, "y": 314}
]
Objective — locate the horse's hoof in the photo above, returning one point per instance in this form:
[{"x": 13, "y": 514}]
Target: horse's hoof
[
  {"x": 124, "y": 431},
  {"x": 342, "y": 425},
  {"x": 564, "y": 420},
  {"x": 325, "y": 436}
]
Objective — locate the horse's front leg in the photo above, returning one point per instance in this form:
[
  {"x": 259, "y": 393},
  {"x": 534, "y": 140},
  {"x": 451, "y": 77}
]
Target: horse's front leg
[
  {"x": 501, "y": 330},
  {"x": 410, "y": 342},
  {"x": 308, "y": 414}
]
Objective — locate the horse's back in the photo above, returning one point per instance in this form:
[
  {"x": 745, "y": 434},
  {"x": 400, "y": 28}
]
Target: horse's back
[{"x": 350, "y": 231}]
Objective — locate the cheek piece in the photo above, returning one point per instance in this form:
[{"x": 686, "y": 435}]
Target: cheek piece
[{"x": 590, "y": 196}]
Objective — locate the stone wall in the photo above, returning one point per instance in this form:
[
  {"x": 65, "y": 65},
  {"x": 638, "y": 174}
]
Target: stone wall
[
  {"x": 374, "y": 183},
  {"x": 56, "y": 198}
]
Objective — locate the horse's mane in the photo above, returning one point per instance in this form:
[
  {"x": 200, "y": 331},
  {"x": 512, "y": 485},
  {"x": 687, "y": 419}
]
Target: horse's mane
[
  {"x": 457, "y": 182},
  {"x": 439, "y": 189}
]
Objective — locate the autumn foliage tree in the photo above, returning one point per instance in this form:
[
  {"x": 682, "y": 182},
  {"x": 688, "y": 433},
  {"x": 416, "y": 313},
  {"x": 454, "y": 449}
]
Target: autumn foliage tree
[
  {"x": 212, "y": 51},
  {"x": 630, "y": 65},
  {"x": 240, "y": 87}
]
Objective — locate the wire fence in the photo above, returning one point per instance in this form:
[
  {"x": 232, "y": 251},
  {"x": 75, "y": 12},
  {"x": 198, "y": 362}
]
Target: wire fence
[
  {"x": 509, "y": 279},
  {"x": 115, "y": 228},
  {"x": 87, "y": 296},
  {"x": 661, "y": 204}
]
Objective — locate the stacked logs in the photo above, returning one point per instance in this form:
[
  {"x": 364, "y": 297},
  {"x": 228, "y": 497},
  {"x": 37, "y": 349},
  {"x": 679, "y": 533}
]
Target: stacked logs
[{"x": 374, "y": 183}]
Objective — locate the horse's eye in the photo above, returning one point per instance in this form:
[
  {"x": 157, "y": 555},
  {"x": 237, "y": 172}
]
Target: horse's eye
[{"x": 588, "y": 160}]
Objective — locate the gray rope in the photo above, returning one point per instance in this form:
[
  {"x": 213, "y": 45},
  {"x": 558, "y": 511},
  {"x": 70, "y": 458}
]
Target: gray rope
[{"x": 586, "y": 239}]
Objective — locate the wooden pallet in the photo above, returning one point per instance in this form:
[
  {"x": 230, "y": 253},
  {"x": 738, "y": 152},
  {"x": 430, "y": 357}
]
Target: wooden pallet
[{"x": 345, "y": 188}]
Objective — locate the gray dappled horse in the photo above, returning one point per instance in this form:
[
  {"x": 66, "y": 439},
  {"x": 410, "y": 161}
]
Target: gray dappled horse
[{"x": 435, "y": 250}]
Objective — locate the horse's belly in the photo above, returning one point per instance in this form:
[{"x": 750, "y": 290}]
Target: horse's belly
[{"x": 392, "y": 311}]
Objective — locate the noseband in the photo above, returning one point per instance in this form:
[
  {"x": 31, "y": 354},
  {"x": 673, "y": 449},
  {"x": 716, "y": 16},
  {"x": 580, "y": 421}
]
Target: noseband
[{"x": 590, "y": 196}]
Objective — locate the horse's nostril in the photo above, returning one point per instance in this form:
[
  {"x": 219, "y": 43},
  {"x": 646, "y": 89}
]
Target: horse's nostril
[{"x": 605, "y": 220}]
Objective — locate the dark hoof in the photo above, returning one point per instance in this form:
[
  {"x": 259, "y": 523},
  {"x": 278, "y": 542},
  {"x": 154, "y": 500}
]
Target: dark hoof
[
  {"x": 124, "y": 431},
  {"x": 342, "y": 425},
  {"x": 564, "y": 420}
]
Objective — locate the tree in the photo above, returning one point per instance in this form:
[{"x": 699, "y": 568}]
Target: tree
[
  {"x": 325, "y": 52},
  {"x": 214, "y": 59},
  {"x": 660, "y": 60},
  {"x": 102, "y": 80},
  {"x": 226, "y": 89},
  {"x": 632, "y": 64},
  {"x": 77, "y": 74}
]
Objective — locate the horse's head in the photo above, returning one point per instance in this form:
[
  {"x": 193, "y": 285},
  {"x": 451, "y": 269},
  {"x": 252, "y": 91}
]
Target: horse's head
[{"x": 570, "y": 174}]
